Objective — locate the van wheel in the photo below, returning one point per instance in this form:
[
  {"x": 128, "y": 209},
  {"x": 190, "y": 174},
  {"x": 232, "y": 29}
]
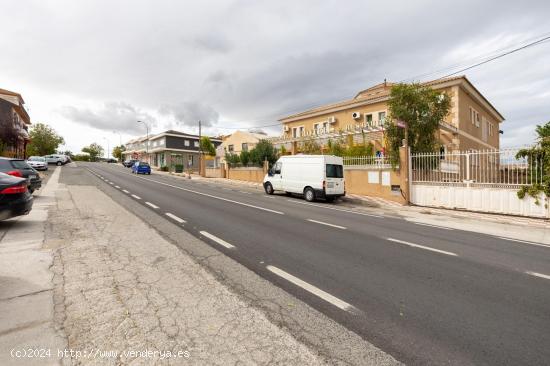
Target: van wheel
[
  {"x": 268, "y": 188},
  {"x": 58, "y": 163},
  {"x": 309, "y": 194}
]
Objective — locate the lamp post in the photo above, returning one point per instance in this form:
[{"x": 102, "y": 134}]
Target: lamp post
[{"x": 146, "y": 141}]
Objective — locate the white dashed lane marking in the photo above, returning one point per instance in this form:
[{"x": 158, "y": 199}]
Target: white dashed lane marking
[
  {"x": 327, "y": 224},
  {"x": 151, "y": 204},
  {"x": 312, "y": 289},
  {"x": 421, "y": 247},
  {"x": 217, "y": 240},
  {"x": 136, "y": 197},
  {"x": 174, "y": 217}
]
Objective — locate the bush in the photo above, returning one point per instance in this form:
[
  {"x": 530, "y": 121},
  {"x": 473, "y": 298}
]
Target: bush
[
  {"x": 264, "y": 150},
  {"x": 163, "y": 168},
  {"x": 81, "y": 157},
  {"x": 178, "y": 168},
  {"x": 244, "y": 158}
]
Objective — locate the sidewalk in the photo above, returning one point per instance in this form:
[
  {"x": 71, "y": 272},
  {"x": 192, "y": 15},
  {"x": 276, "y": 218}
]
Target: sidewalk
[
  {"x": 26, "y": 287},
  {"x": 121, "y": 287}
]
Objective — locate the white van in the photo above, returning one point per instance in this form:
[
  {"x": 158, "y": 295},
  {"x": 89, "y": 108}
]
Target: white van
[
  {"x": 314, "y": 176},
  {"x": 56, "y": 159}
]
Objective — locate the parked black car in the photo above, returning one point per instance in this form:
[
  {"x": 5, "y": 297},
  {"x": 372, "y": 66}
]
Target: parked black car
[
  {"x": 15, "y": 199},
  {"x": 129, "y": 163},
  {"x": 20, "y": 168}
]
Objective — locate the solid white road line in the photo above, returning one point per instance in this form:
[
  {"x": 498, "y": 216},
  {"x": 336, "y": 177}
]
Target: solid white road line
[
  {"x": 136, "y": 197},
  {"x": 335, "y": 209},
  {"x": 312, "y": 289},
  {"x": 538, "y": 275},
  {"x": 216, "y": 197},
  {"x": 421, "y": 246},
  {"x": 217, "y": 240},
  {"x": 430, "y": 225},
  {"x": 174, "y": 217},
  {"x": 125, "y": 191},
  {"x": 524, "y": 242},
  {"x": 151, "y": 204},
  {"x": 327, "y": 224}
]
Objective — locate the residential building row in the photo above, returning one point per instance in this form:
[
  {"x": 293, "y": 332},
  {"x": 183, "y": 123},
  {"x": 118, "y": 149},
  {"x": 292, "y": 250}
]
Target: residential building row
[
  {"x": 14, "y": 125},
  {"x": 168, "y": 148},
  {"x": 473, "y": 123}
]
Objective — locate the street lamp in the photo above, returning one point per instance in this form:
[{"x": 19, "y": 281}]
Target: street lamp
[{"x": 146, "y": 141}]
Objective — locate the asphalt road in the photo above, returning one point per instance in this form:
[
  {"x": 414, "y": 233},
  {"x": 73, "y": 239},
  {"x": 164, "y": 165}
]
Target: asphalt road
[{"x": 424, "y": 294}]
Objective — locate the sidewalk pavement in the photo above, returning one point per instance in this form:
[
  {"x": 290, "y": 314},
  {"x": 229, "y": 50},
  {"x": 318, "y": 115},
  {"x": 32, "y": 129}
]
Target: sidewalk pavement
[
  {"x": 122, "y": 287},
  {"x": 26, "y": 301}
]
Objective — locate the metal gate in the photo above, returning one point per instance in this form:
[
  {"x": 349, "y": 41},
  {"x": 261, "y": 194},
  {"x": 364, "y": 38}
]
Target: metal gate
[{"x": 486, "y": 181}]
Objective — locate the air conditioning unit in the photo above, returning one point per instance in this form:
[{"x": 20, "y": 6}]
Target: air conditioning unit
[
  {"x": 286, "y": 128},
  {"x": 356, "y": 115},
  {"x": 331, "y": 119}
]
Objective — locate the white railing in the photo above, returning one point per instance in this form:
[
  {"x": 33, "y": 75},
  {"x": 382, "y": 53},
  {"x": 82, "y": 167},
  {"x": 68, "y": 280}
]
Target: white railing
[
  {"x": 477, "y": 167},
  {"x": 369, "y": 162}
]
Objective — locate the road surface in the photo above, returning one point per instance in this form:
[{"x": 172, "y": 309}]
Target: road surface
[{"x": 422, "y": 293}]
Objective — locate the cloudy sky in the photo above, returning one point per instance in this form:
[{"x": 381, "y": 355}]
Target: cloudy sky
[{"x": 91, "y": 69}]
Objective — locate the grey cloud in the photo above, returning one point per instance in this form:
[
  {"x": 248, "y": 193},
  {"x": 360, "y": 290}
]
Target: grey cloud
[
  {"x": 113, "y": 116},
  {"x": 213, "y": 42},
  {"x": 189, "y": 113},
  {"x": 252, "y": 62}
]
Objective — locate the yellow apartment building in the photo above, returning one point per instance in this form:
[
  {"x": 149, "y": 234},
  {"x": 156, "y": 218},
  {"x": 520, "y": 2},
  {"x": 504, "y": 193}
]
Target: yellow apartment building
[{"x": 473, "y": 123}]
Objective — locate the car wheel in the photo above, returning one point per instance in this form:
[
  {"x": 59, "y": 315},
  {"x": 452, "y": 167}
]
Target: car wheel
[
  {"x": 268, "y": 188},
  {"x": 309, "y": 194},
  {"x": 58, "y": 163},
  {"x": 31, "y": 190}
]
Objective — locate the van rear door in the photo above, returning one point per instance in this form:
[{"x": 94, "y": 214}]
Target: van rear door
[{"x": 334, "y": 174}]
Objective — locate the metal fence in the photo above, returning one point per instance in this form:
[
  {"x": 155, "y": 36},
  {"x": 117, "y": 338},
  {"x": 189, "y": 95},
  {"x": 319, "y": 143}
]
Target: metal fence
[
  {"x": 367, "y": 162},
  {"x": 497, "y": 167}
]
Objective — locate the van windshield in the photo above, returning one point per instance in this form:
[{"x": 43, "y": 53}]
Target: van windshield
[{"x": 335, "y": 171}]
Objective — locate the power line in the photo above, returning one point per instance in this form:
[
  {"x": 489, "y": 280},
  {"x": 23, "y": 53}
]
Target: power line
[{"x": 544, "y": 38}]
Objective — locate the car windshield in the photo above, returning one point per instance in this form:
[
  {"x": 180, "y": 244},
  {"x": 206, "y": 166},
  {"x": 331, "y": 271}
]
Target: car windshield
[
  {"x": 20, "y": 164},
  {"x": 143, "y": 164},
  {"x": 335, "y": 171}
]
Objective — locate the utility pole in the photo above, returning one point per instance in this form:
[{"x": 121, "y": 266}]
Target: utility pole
[
  {"x": 200, "y": 147},
  {"x": 146, "y": 141},
  {"x": 106, "y": 139}
]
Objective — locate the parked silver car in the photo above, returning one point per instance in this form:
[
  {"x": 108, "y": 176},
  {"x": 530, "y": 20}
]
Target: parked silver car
[
  {"x": 38, "y": 162},
  {"x": 56, "y": 159}
]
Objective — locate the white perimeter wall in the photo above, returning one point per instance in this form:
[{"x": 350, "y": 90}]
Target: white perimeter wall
[{"x": 494, "y": 200}]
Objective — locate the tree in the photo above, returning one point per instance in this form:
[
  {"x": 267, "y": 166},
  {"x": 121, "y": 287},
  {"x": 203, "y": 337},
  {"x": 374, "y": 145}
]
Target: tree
[
  {"x": 311, "y": 146},
  {"x": 44, "y": 140},
  {"x": 69, "y": 153},
  {"x": 232, "y": 159},
  {"x": 117, "y": 151},
  {"x": 538, "y": 157},
  {"x": 336, "y": 147},
  {"x": 421, "y": 108},
  {"x": 94, "y": 150},
  {"x": 207, "y": 146},
  {"x": 263, "y": 150},
  {"x": 244, "y": 157}
]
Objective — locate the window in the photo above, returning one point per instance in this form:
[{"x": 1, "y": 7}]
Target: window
[
  {"x": 368, "y": 119},
  {"x": 186, "y": 143},
  {"x": 231, "y": 148},
  {"x": 381, "y": 118},
  {"x": 196, "y": 143},
  {"x": 277, "y": 168},
  {"x": 316, "y": 128},
  {"x": 294, "y": 132},
  {"x": 478, "y": 119},
  {"x": 244, "y": 146},
  {"x": 301, "y": 131},
  {"x": 335, "y": 171},
  {"x": 189, "y": 160}
]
